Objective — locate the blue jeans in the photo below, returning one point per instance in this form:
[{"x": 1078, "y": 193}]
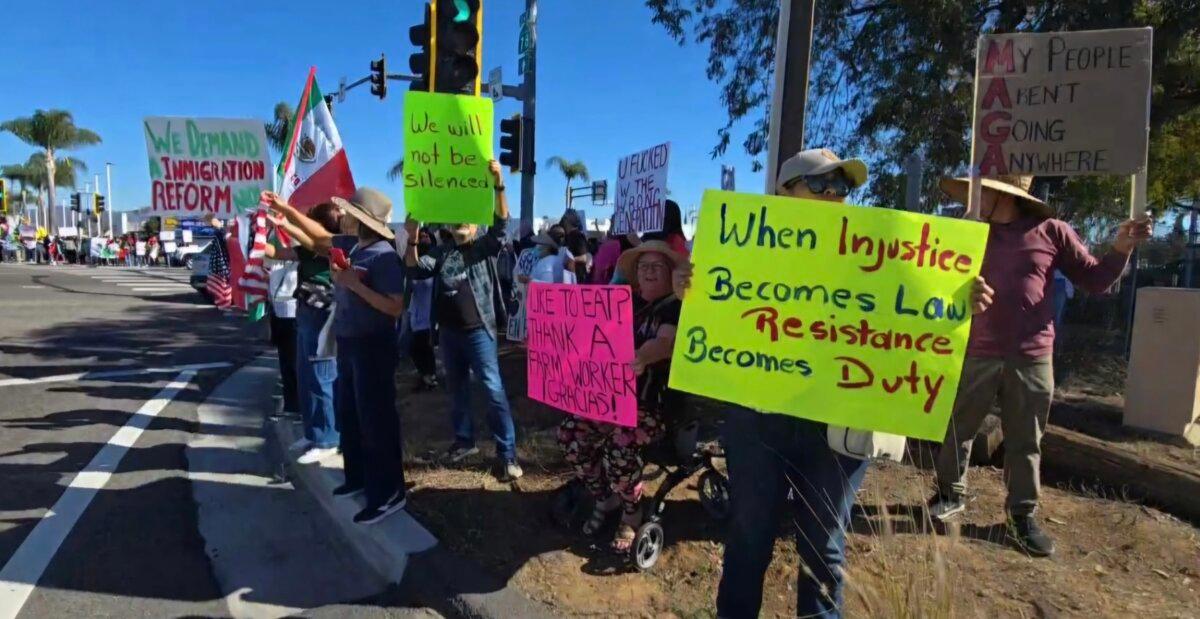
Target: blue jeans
[
  {"x": 462, "y": 352},
  {"x": 314, "y": 379},
  {"x": 768, "y": 455},
  {"x": 367, "y": 416}
]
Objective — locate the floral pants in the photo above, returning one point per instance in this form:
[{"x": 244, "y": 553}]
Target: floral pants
[{"x": 608, "y": 458}]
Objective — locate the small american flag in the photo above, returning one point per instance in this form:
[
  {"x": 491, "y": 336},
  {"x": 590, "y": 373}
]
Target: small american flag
[{"x": 217, "y": 284}]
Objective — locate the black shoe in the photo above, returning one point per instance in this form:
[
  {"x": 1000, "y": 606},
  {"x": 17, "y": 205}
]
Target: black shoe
[
  {"x": 347, "y": 490},
  {"x": 508, "y": 470},
  {"x": 942, "y": 507},
  {"x": 1028, "y": 536},
  {"x": 371, "y": 515},
  {"x": 458, "y": 452}
]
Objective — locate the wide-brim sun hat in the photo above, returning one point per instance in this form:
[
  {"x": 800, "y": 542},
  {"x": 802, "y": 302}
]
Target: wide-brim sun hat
[
  {"x": 627, "y": 263},
  {"x": 543, "y": 238},
  {"x": 371, "y": 207},
  {"x": 818, "y": 161},
  {"x": 1016, "y": 186}
]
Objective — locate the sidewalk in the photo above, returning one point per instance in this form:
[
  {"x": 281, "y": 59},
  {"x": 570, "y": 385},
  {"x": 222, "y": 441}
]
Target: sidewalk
[{"x": 401, "y": 550}]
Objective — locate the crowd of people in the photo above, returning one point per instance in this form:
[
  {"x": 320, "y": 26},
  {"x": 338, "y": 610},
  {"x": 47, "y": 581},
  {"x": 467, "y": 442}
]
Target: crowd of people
[
  {"x": 342, "y": 290},
  {"x": 38, "y": 246}
]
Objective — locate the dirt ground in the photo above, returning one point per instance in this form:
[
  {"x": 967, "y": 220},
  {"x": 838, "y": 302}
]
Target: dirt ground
[{"x": 1114, "y": 559}]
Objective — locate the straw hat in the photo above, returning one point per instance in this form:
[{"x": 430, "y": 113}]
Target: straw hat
[
  {"x": 370, "y": 207},
  {"x": 1016, "y": 186},
  {"x": 627, "y": 264},
  {"x": 543, "y": 238}
]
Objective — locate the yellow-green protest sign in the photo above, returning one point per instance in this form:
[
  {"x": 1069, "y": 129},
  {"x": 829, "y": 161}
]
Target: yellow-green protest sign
[
  {"x": 848, "y": 315},
  {"x": 447, "y": 147}
]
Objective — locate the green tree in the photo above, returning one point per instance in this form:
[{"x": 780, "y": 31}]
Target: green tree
[
  {"x": 890, "y": 79},
  {"x": 51, "y": 131},
  {"x": 397, "y": 170},
  {"x": 570, "y": 170},
  {"x": 279, "y": 129}
]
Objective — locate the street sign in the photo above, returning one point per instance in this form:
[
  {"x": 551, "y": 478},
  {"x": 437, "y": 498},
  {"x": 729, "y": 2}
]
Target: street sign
[
  {"x": 525, "y": 45},
  {"x": 341, "y": 93},
  {"x": 496, "y": 84}
]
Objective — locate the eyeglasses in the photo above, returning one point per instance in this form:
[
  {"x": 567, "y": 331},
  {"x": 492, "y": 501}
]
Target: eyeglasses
[
  {"x": 650, "y": 267},
  {"x": 835, "y": 180}
]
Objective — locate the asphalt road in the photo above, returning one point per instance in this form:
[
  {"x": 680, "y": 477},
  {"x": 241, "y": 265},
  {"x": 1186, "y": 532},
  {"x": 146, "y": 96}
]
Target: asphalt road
[{"x": 98, "y": 509}]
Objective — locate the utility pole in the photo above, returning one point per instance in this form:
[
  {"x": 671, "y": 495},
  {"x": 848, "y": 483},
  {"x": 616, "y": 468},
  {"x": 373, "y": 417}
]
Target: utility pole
[
  {"x": 527, "y": 51},
  {"x": 793, "y": 49},
  {"x": 913, "y": 166},
  {"x": 108, "y": 194}
]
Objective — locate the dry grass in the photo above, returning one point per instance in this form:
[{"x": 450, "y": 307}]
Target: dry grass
[{"x": 1115, "y": 559}]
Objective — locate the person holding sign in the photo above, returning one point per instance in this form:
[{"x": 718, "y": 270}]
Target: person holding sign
[
  {"x": 467, "y": 307},
  {"x": 607, "y": 458},
  {"x": 771, "y": 453},
  {"x": 368, "y": 295},
  {"x": 1009, "y": 354}
]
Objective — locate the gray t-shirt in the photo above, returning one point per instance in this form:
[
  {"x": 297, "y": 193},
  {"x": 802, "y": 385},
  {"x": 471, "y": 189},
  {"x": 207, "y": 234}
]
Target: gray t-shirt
[{"x": 384, "y": 274}]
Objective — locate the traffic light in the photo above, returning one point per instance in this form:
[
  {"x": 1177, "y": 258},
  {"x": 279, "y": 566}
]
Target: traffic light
[
  {"x": 420, "y": 63},
  {"x": 97, "y": 203},
  {"x": 3, "y": 196},
  {"x": 379, "y": 77},
  {"x": 510, "y": 143},
  {"x": 76, "y": 202},
  {"x": 458, "y": 37}
]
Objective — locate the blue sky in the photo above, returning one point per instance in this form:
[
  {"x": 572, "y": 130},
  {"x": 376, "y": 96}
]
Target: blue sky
[{"x": 609, "y": 82}]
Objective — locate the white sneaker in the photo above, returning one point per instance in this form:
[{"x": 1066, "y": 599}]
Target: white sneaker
[
  {"x": 301, "y": 444},
  {"x": 315, "y": 454}
]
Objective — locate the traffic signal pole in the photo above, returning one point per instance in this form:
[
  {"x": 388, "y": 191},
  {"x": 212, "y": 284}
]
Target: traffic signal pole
[{"x": 529, "y": 112}]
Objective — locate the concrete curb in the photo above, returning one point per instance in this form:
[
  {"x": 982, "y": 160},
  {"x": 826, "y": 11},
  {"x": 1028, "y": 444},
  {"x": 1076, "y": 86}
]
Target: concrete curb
[{"x": 402, "y": 551}]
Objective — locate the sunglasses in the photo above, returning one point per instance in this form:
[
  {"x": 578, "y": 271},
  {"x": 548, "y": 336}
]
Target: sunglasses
[{"x": 835, "y": 180}]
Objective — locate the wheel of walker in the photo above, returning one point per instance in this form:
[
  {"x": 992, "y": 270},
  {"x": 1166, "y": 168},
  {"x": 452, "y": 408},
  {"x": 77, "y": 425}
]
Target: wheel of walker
[
  {"x": 714, "y": 494},
  {"x": 647, "y": 546}
]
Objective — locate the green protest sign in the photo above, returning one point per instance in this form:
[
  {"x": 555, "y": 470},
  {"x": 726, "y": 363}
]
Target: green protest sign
[{"x": 447, "y": 147}]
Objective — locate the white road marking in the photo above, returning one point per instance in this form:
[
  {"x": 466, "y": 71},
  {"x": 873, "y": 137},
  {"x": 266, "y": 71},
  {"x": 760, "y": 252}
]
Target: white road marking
[
  {"x": 60, "y": 378},
  {"x": 165, "y": 289},
  {"x": 74, "y": 348},
  {"x": 26, "y": 566},
  {"x": 33, "y": 287}
]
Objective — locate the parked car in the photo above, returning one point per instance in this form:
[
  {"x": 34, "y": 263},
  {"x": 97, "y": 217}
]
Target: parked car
[
  {"x": 185, "y": 254},
  {"x": 198, "y": 263}
]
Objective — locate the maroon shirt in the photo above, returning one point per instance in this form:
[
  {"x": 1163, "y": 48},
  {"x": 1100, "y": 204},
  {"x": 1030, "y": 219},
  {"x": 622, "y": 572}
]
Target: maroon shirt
[{"x": 1019, "y": 264}]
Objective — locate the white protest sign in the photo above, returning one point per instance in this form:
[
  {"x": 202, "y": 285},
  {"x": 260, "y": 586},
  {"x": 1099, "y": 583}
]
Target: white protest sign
[
  {"x": 166, "y": 236},
  {"x": 207, "y": 165},
  {"x": 68, "y": 231},
  {"x": 641, "y": 190},
  {"x": 1063, "y": 103},
  {"x": 187, "y": 237},
  {"x": 169, "y": 247}
]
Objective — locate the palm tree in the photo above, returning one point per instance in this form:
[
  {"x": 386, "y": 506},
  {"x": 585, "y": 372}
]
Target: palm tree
[
  {"x": 571, "y": 170},
  {"x": 278, "y": 132},
  {"x": 18, "y": 174},
  {"x": 51, "y": 131},
  {"x": 397, "y": 170},
  {"x": 66, "y": 170}
]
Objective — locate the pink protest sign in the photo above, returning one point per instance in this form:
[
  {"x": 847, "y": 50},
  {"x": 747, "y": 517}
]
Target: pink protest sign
[{"x": 580, "y": 341}]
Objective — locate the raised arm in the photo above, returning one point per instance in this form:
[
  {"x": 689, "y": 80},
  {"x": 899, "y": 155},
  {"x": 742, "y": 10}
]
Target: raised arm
[
  {"x": 1097, "y": 275},
  {"x": 320, "y": 238}
]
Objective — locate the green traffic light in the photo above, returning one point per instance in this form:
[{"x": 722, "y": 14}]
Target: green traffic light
[{"x": 464, "y": 11}]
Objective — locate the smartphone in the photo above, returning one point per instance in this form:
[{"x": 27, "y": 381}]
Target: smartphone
[{"x": 338, "y": 257}]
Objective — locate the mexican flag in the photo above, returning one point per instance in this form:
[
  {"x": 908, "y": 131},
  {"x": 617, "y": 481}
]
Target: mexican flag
[{"x": 314, "y": 166}]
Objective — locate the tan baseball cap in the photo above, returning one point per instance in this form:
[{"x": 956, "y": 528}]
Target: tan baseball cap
[{"x": 818, "y": 161}]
